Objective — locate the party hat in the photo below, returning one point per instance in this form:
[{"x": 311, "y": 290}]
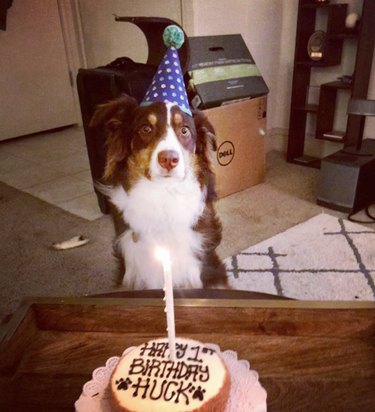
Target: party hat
[{"x": 168, "y": 83}]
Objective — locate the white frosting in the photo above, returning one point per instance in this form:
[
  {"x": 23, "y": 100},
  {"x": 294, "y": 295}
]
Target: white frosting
[{"x": 147, "y": 372}]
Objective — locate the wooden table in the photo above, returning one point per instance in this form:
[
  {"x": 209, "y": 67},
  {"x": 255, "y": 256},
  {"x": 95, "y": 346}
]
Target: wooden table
[{"x": 311, "y": 356}]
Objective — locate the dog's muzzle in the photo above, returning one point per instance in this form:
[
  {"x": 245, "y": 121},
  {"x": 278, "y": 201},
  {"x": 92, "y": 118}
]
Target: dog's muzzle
[{"x": 168, "y": 159}]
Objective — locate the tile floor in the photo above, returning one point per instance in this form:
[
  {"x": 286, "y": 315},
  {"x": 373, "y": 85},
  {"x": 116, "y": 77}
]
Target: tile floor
[{"x": 52, "y": 166}]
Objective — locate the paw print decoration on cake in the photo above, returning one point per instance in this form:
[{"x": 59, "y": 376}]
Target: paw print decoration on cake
[
  {"x": 123, "y": 384},
  {"x": 199, "y": 393}
]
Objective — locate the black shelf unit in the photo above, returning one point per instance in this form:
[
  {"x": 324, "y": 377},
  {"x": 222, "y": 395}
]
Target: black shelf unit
[
  {"x": 326, "y": 111},
  {"x": 336, "y": 34}
]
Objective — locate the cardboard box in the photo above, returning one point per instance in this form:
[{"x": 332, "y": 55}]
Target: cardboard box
[
  {"x": 240, "y": 158},
  {"x": 221, "y": 70}
]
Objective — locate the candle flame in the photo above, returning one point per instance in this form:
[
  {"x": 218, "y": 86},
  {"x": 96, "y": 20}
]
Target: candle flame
[{"x": 163, "y": 256}]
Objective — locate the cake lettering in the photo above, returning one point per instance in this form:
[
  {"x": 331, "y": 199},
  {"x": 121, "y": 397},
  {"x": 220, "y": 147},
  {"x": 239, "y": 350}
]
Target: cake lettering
[
  {"x": 182, "y": 391},
  {"x": 168, "y": 390},
  {"x": 154, "y": 396},
  {"x": 197, "y": 350},
  {"x": 208, "y": 350},
  {"x": 195, "y": 358},
  {"x": 141, "y": 385},
  {"x": 154, "y": 349},
  {"x": 169, "y": 370},
  {"x": 155, "y": 376},
  {"x": 159, "y": 349}
]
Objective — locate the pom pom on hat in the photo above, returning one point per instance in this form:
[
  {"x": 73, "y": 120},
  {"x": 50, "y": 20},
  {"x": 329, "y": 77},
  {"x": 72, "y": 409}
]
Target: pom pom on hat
[
  {"x": 173, "y": 36},
  {"x": 168, "y": 83}
]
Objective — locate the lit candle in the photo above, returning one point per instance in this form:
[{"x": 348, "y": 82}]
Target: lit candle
[{"x": 163, "y": 256}]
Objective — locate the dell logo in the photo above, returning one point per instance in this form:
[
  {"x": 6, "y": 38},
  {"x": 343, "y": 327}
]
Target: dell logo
[{"x": 225, "y": 153}]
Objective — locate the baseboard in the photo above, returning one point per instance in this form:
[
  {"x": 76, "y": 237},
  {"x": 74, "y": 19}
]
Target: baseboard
[{"x": 277, "y": 139}]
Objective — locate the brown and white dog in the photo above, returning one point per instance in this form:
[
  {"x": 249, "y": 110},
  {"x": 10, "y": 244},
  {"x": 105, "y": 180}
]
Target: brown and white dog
[{"x": 160, "y": 179}]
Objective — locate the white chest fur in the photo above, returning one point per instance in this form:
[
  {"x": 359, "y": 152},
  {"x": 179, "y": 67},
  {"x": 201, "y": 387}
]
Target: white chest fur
[{"x": 161, "y": 213}]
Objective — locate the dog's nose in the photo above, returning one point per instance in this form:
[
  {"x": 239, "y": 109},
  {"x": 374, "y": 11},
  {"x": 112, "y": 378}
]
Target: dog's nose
[{"x": 168, "y": 159}]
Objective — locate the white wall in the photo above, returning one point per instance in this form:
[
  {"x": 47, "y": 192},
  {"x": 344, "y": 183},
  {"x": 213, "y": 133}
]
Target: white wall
[
  {"x": 267, "y": 26},
  {"x": 260, "y": 24},
  {"x": 105, "y": 39}
]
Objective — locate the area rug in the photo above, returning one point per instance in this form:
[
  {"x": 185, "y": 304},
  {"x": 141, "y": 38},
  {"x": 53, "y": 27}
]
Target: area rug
[{"x": 324, "y": 258}]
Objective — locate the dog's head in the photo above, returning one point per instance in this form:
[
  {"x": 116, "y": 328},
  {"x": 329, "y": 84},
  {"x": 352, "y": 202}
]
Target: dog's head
[{"x": 158, "y": 141}]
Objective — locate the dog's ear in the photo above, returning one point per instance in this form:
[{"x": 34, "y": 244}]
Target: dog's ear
[
  {"x": 116, "y": 117},
  {"x": 206, "y": 138},
  {"x": 206, "y": 147}
]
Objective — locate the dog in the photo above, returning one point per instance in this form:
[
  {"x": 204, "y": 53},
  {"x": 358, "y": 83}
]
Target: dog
[{"x": 158, "y": 175}]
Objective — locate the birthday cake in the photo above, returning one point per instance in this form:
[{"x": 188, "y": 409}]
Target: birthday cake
[{"x": 147, "y": 380}]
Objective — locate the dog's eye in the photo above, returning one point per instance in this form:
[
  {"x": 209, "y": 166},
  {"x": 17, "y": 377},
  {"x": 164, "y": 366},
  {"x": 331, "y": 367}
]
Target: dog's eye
[
  {"x": 185, "y": 132},
  {"x": 145, "y": 129}
]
